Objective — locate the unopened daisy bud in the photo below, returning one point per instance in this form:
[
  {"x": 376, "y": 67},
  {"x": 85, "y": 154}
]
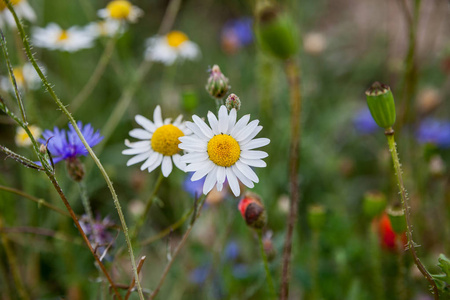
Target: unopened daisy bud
[
  {"x": 253, "y": 211},
  {"x": 43, "y": 148},
  {"x": 75, "y": 169},
  {"x": 316, "y": 217},
  {"x": 374, "y": 204},
  {"x": 217, "y": 85},
  {"x": 397, "y": 217},
  {"x": 233, "y": 101},
  {"x": 381, "y": 104},
  {"x": 275, "y": 31}
]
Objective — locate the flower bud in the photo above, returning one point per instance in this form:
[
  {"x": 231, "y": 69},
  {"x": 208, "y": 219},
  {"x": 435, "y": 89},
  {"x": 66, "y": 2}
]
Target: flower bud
[
  {"x": 316, "y": 217},
  {"x": 217, "y": 85},
  {"x": 275, "y": 31},
  {"x": 253, "y": 211},
  {"x": 381, "y": 104},
  {"x": 233, "y": 101},
  {"x": 397, "y": 217},
  {"x": 75, "y": 169},
  {"x": 43, "y": 148},
  {"x": 374, "y": 204}
]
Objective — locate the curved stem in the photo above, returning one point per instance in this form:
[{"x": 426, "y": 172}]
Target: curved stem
[
  {"x": 266, "y": 266},
  {"x": 411, "y": 245},
  {"x": 293, "y": 76},
  {"x": 178, "y": 248},
  {"x": 149, "y": 203}
]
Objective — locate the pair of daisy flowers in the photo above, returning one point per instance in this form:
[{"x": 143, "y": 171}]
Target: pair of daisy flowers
[{"x": 224, "y": 150}]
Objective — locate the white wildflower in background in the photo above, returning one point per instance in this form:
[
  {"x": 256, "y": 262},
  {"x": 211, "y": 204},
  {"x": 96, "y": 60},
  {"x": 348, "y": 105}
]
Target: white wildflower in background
[
  {"x": 314, "y": 43},
  {"x": 54, "y": 37},
  {"x": 104, "y": 28},
  {"x": 121, "y": 10},
  {"x": 167, "y": 49},
  {"x": 223, "y": 150},
  {"x": 159, "y": 145},
  {"x": 26, "y": 78},
  {"x": 22, "y": 9},
  {"x": 22, "y": 139}
]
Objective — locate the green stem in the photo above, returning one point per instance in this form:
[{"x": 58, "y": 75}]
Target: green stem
[
  {"x": 80, "y": 135},
  {"x": 375, "y": 263},
  {"x": 85, "y": 201},
  {"x": 405, "y": 203},
  {"x": 149, "y": 203},
  {"x": 314, "y": 265},
  {"x": 266, "y": 266}
]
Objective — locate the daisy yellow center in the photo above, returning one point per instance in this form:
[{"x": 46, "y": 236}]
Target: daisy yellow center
[
  {"x": 3, "y": 5},
  {"x": 63, "y": 35},
  {"x": 223, "y": 150},
  {"x": 165, "y": 139},
  {"x": 176, "y": 38},
  {"x": 119, "y": 9}
]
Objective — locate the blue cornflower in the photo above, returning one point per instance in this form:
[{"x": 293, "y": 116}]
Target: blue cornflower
[
  {"x": 194, "y": 188},
  {"x": 364, "y": 123},
  {"x": 435, "y": 132},
  {"x": 68, "y": 146},
  {"x": 236, "y": 34},
  {"x": 231, "y": 251},
  {"x": 200, "y": 274}
]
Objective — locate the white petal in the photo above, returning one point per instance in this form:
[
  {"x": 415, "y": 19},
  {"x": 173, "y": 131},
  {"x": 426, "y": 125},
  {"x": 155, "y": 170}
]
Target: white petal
[
  {"x": 192, "y": 147},
  {"x": 246, "y": 131},
  {"x": 196, "y": 166},
  {"x": 140, "y": 144},
  {"x": 156, "y": 163},
  {"x": 253, "y": 162},
  {"x": 233, "y": 182},
  {"x": 194, "y": 157},
  {"x": 231, "y": 120},
  {"x": 157, "y": 117},
  {"x": 253, "y": 154},
  {"x": 251, "y": 136},
  {"x": 213, "y": 123},
  {"x": 138, "y": 158},
  {"x": 209, "y": 165},
  {"x": 134, "y": 151},
  {"x": 140, "y": 134},
  {"x": 177, "y": 121},
  {"x": 223, "y": 119},
  {"x": 150, "y": 161},
  {"x": 194, "y": 128},
  {"x": 221, "y": 175},
  {"x": 256, "y": 143},
  {"x": 210, "y": 180},
  {"x": 247, "y": 171},
  {"x": 240, "y": 124},
  {"x": 166, "y": 166},
  {"x": 242, "y": 177},
  {"x": 178, "y": 162},
  {"x": 203, "y": 127},
  {"x": 219, "y": 186},
  {"x": 192, "y": 140},
  {"x": 145, "y": 123}
]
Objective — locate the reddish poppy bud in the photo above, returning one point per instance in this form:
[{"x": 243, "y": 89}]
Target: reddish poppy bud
[
  {"x": 388, "y": 238},
  {"x": 253, "y": 211}
]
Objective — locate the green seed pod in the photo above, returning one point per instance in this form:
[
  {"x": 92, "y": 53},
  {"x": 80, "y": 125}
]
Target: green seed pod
[
  {"x": 397, "y": 218},
  {"x": 275, "y": 31},
  {"x": 316, "y": 217},
  {"x": 381, "y": 104},
  {"x": 374, "y": 204}
]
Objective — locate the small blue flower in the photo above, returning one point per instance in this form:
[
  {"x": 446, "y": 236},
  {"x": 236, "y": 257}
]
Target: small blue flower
[
  {"x": 236, "y": 34},
  {"x": 364, "y": 123},
  {"x": 99, "y": 234},
  {"x": 231, "y": 251},
  {"x": 435, "y": 132},
  {"x": 200, "y": 274},
  {"x": 194, "y": 188},
  {"x": 64, "y": 146}
]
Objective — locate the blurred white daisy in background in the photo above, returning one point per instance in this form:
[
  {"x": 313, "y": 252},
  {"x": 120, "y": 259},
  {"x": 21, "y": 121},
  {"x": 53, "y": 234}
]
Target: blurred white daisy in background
[
  {"x": 223, "y": 150},
  {"x": 314, "y": 43},
  {"x": 121, "y": 10},
  {"x": 54, "y": 37},
  {"x": 167, "y": 49},
  {"x": 26, "y": 78},
  {"x": 104, "y": 28},
  {"x": 22, "y": 139},
  {"x": 159, "y": 145},
  {"x": 22, "y": 9}
]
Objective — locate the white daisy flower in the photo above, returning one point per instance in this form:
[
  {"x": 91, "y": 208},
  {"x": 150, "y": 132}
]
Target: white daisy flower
[
  {"x": 174, "y": 45},
  {"x": 103, "y": 28},
  {"x": 223, "y": 150},
  {"x": 121, "y": 10},
  {"x": 22, "y": 9},
  {"x": 26, "y": 78},
  {"x": 22, "y": 139},
  {"x": 54, "y": 37},
  {"x": 159, "y": 145}
]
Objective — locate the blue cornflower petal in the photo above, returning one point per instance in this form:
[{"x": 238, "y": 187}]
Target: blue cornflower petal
[
  {"x": 435, "y": 132},
  {"x": 364, "y": 123}
]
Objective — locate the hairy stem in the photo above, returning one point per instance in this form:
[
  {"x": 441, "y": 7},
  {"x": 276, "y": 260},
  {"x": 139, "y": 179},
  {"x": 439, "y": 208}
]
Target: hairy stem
[
  {"x": 293, "y": 77},
  {"x": 405, "y": 203},
  {"x": 266, "y": 266}
]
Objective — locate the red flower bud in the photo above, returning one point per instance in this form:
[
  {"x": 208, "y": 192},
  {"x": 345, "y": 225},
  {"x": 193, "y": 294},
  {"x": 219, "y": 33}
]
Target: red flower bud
[{"x": 253, "y": 211}]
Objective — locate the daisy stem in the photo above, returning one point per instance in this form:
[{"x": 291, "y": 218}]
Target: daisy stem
[
  {"x": 89, "y": 149},
  {"x": 293, "y": 76},
  {"x": 266, "y": 266},
  {"x": 34, "y": 199},
  {"x": 200, "y": 202},
  {"x": 149, "y": 203},
  {"x": 407, "y": 209}
]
